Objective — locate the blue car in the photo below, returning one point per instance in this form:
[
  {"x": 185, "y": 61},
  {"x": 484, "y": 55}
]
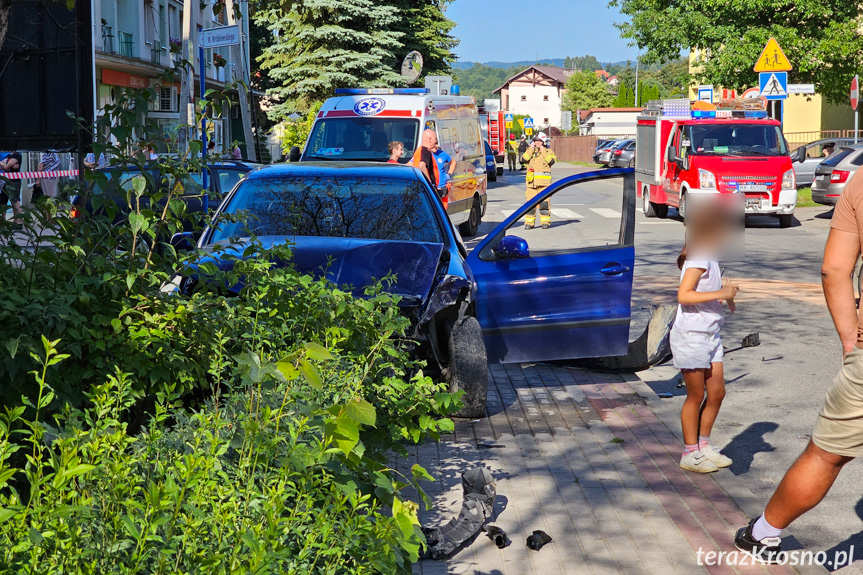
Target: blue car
[
  {"x": 490, "y": 163},
  {"x": 357, "y": 221}
]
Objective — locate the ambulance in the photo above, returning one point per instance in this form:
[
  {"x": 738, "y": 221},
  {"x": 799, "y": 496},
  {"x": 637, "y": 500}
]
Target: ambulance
[
  {"x": 684, "y": 149},
  {"x": 359, "y": 123}
]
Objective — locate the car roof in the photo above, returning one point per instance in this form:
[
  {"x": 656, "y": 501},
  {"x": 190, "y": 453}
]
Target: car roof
[{"x": 336, "y": 169}]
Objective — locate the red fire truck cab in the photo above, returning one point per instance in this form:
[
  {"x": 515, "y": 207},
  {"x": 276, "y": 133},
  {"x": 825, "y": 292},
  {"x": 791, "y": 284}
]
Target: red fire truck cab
[{"x": 680, "y": 151}]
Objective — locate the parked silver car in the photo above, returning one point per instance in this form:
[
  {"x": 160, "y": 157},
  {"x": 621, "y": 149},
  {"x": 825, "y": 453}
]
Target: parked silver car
[
  {"x": 607, "y": 154},
  {"x": 807, "y": 157},
  {"x": 602, "y": 145},
  {"x": 833, "y": 174},
  {"x": 624, "y": 157}
]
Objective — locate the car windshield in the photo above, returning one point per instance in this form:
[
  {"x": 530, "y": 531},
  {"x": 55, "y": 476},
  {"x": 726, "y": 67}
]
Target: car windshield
[
  {"x": 735, "y": 140},
  {"x": 344, "y": 207},
  {"x": 836, "y": 157},
  {"x": 361, "y": 138}
]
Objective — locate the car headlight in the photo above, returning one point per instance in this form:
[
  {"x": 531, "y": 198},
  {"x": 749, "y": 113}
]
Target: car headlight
[
  {"x": 789, "y": 180},
  {"x": 706, "y": 180}
]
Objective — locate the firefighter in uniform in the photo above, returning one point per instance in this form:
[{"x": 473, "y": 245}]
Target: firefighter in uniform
[
  {"x": 511, "y": 152},
  {"x": 539, "y": 160}
]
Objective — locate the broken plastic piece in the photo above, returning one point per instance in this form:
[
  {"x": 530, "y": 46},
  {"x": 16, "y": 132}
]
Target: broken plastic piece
[
  {"x": 751, "y": 340},
  {"x": 664, "y": 395},
  {"x": 538, "y": 539},
  {"x": 497, "y": 535},
  {"x": 477, "y": 506}
]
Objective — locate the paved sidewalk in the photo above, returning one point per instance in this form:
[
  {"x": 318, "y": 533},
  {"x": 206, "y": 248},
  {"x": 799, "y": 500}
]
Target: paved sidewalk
[{"x": 583, "y": 457}]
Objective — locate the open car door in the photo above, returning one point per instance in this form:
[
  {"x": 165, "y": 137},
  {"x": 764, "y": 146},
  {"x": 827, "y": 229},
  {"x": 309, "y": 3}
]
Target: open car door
[{"x": 556, "y": 299}]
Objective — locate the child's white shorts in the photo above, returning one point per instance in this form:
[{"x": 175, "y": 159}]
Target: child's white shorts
[{"x": 695, "y": 350}]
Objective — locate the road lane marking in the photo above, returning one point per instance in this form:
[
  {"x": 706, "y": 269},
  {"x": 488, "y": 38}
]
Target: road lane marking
[{"x": 606, "y": 212}]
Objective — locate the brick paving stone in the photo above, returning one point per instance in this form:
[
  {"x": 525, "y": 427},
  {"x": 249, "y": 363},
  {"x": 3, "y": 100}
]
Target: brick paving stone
[{"x": 611, "y": 506}]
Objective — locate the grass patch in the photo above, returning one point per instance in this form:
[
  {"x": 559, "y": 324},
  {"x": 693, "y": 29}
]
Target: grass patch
[
  {"x": 586, "y": 164},
  {"x": 804, "y": 198}
]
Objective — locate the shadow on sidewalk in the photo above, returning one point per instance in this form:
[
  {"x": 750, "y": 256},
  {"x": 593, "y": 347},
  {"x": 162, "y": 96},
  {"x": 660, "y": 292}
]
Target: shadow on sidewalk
[
  {"x": 747, "y": 443},
  {"x": 853, "y": 545}
]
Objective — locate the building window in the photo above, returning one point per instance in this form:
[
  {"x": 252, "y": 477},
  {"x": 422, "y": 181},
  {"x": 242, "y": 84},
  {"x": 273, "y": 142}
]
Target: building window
[
  {"x": 168, "y": 99},
  {"x": 545, "y": 121},
  {"x": 545, "y": 98},
  {"x": 506, "y": 105},
  {"x": 523, "y": 98}
]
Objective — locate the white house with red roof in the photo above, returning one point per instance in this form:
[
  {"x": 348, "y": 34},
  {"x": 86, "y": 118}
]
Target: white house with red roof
[{"x": 537, "y": 92}]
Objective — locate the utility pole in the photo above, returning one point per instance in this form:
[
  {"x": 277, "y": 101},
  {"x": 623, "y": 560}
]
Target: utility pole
[
  {"x": 187, "y": 82},
  {"x": 637, "y": 58},
  {"x": 239, "y": 58}
]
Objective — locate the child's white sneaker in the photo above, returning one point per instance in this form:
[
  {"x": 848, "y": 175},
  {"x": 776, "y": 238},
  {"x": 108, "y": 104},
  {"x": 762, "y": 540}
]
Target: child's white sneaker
[
  {"x": 713, "y": 455},
  {"x": 698, "y": 462}
]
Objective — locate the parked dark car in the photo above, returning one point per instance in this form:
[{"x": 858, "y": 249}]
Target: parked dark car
[
  {"x": 807, "y": 158},
  {"x": 490, "y": 163},
  {"x": 607, "y": 156},
  {"x": 352, "y": 222},
  {"x": 833, "y": 174},
  {"x": 119, "y": 180},
  {"x": 624, "y": 157}
]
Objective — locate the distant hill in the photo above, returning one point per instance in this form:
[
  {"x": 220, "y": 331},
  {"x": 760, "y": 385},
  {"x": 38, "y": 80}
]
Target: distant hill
[{"x": 525, "y": 63}]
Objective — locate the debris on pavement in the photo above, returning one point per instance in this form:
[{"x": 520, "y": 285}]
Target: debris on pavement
[
  {"x": 497, "y": 535},
  {"x": 477, "y": 506},
  {"x": 538, "y": 539},
  {"x": 751, "y": 340}
]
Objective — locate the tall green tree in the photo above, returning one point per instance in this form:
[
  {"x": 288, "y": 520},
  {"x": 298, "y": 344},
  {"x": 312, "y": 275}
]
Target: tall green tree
[
  {"x": 585, "y": 91},
  {"x": 326, "y": 44},
  {"x": 822, "y": 38},
  {"x": 426, "y": 29}
]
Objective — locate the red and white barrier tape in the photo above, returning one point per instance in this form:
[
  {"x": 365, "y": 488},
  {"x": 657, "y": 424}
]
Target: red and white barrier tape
[{"x": 35, "y": 175}]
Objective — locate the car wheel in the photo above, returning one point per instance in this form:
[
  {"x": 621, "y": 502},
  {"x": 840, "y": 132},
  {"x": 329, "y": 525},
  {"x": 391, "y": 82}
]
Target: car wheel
[
  {"x": 785, "y": 220},
  {"x": 499, "y": 171},
  {"x": 646, "y": 204},
  {"x": 492, "y": 176},
  {"x": 681, "y": 208},
  {"x": 468, "y": 368},
  {"x": 632, "y": 163},
  {"x": 470, "y": 227},
  {"x": 661, "y": 210}
]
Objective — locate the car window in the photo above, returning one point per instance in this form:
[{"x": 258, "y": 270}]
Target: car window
[
  {"x": 355, "y": 207},
  {"x": 837, "y": 157},
  {"x": 488, "y": 151},
  {"x": 858, "y": 159},
  {"x": 228, "y": 179}
]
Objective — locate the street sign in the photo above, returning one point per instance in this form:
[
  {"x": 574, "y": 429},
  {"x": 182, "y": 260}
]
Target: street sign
[
  {"x": 521, "y": 123},
  {"x": 217, "y": 37},
  {"x": 566, "y": 120},
  {"x": 751, "y": 93},
  {"x": 774, "y": 85},
  {"x": 508, "y": 125},
  {"x": 528, "y": 123},
  {"x": 508, "y": 121},
  {"x": 772, "y": 59},
  {"x": 528, "y": 131},
  {"x": 705, "y": 93},
  {"x": 855, "y": 93},
  {"x": 801, "y": 88}
]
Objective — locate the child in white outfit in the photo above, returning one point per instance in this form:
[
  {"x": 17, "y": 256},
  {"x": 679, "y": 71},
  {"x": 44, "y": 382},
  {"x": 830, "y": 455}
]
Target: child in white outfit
[{"x": 697, "y": 351}]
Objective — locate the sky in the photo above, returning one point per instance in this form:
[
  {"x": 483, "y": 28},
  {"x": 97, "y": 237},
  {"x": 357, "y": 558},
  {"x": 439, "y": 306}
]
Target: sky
[{"x": 512, "y": 30}]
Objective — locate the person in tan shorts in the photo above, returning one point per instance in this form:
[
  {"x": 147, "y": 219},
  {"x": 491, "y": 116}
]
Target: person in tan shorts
[{"x": 838, "y": 434}]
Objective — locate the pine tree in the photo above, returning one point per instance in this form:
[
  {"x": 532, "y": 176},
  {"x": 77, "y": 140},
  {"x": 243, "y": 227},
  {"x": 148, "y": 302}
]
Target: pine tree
[
  {"x": 426, "y": 29},
  {"x": 328, "y": 44}
]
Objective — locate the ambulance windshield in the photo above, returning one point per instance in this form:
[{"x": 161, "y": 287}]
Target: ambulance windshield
[
  {"x": 361, "y": 138},
  {"x": 735, "y": 140}
]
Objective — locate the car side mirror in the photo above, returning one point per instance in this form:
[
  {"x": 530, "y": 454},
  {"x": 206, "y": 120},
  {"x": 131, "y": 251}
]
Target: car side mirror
[
  {"x": 512, "y": 247},
  {"x": 294, "y": 155},
  {"x": 672, "y": 156},
  {"x": 184, "y": 241},
  {"x": 799, "y": 155}
]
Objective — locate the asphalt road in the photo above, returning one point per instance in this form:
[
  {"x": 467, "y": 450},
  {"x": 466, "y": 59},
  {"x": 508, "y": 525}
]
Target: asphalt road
[{"x": 774, "y": 390}]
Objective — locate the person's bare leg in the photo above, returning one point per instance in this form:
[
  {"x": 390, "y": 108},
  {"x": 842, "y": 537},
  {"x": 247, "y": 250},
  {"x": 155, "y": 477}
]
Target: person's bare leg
[
  {"x": 694, "y": 380},
  {"x": 16, "y": 210},
  {"x": 715, "y": 384},
  {"x": 804, "y": 485}
]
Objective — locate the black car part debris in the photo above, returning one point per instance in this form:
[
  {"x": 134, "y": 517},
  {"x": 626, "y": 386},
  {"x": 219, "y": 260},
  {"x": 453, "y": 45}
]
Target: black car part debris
[
  {"x": 651, "y": 348},
  {"x": 477, "y": 506},
  {"x": 751, "y": 340},
  {"x": 538, "y": 539},
  {"x": 497, "y": 535}
]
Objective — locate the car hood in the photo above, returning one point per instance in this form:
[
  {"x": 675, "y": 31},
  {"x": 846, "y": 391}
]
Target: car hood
[{"x": 356, "y": 263}]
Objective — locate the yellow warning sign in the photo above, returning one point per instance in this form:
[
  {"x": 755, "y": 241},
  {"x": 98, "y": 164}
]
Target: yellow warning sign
[
  {"x": 772, "y": 59},
  {"x": 529, "y": 131},
  {"x": 521, "y": 123},
  {"x": 509, "y": 125}
]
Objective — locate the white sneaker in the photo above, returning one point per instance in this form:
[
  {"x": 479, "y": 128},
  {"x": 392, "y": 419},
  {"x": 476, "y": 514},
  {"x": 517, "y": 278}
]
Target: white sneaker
[
  {"x": 713, "y": 455},
  {"x": 698, "y": 462}
]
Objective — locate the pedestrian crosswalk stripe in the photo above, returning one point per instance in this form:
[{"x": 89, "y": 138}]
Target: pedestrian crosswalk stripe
[
  {"x": 561, "y": 213},
  {"x": 605, "y": 212}
]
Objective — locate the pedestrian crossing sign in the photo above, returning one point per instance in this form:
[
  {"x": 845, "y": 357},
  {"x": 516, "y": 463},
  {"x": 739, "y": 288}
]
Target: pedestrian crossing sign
[
  {"x": 772, "y": 59},
  {"x": 528, "y": 131},
  {"x": 508, "y": 118},
  {"x": 528, "y": 123},
  {"x": 774, "y": 85}
]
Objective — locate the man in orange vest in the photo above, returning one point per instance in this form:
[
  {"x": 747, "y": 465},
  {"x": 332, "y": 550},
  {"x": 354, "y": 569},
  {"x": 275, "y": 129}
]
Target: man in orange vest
[{"x": 424, "y": 158}]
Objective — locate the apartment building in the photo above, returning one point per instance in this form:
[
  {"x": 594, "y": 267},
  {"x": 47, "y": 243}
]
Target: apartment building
[{"x": 136, "y": 41}]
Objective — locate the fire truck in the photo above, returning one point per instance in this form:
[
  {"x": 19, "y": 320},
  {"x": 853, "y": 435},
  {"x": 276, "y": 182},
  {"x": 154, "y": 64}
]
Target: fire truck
[{"x": 684, "y": 149}]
